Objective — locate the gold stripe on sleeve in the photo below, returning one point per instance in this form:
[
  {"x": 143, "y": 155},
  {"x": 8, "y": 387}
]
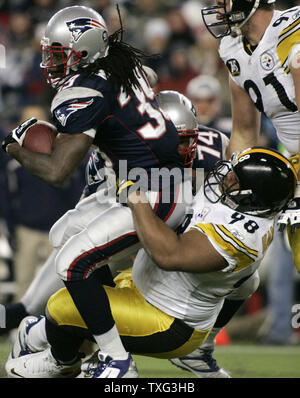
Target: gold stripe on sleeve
[
  {"x": 238, "y": 242},
  {"x": 289, "y": 28},
  {"x": 243, "y": 258},
  {"x": 285, "y": 45}
]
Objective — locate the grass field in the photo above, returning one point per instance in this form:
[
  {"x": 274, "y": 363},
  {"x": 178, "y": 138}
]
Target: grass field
[{"x": 242, "y": 361}]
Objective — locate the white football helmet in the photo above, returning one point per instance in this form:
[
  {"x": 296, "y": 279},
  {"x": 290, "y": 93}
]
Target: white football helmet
[
  {"x": 180, "y": 110},
  {"x": 75, "y": 36}
]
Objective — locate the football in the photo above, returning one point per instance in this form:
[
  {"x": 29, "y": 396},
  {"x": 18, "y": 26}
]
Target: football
[{"x": 40, "y": 137}]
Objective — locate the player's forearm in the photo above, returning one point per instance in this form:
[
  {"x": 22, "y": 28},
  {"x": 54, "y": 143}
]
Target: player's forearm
[
  {"x": 245, "y": 129},
  {"x": 245, "y": 120},
  {"x": 39, "y": 165},
  {"x": 159, "y": 241},
  {"x": 54, "y": 169},
  {"x": 241, "y": 139}
]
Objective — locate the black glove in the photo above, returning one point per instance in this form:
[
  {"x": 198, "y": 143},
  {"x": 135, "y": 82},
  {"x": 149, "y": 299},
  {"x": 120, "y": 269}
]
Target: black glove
[
  {"x": 18, "y": 134},
  {"x": 291, "y": 214},
  {"x": 8, "y": 140}
]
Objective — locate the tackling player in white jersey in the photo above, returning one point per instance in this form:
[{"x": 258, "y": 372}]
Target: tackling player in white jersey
[
  {"x": 260, "y": 47},
  {"x": 173, "y": 312}
]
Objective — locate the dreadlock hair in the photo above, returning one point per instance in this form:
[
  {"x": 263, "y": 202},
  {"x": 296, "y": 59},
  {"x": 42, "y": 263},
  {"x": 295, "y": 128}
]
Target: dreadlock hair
[{"x": 121, "y": 63}]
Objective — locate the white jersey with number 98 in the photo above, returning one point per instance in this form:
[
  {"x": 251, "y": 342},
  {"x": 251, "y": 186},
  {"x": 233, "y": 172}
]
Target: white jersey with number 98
[{"x": 197, "y": 298}]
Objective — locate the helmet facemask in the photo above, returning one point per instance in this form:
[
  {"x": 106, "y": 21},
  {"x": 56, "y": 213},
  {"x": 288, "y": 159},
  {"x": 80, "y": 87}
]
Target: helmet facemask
[
  {"x": 264, "y": 181},
  {"x": 220, "y": 21},
  {"x": 57, "y": 62},
  {"x": 214, "y": 186},
  {"x": 188, "y": 146},
  {"x": 218, "y": 187}
]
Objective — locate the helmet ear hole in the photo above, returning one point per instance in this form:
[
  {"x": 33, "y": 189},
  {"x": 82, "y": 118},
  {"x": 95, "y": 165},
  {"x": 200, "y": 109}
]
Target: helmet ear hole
[{"x": 84, "y": 53}]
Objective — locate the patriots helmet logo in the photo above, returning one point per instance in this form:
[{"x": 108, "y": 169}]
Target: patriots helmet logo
[
  {"x": 79, "y": 26},
  {"x": 63, "y": 113}
]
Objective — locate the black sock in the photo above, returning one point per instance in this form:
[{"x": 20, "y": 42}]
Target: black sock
[
  {"x": 64, "y": 343},
  {"x": 104, "y": 275},
  {"x": 92, "y": 303},
  {"x": 14, "y": 313}
]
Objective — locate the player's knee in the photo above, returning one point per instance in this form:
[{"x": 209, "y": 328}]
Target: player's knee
[
  {"x": 61, "y": 310},
  {"x": 61, "y": 267},
  {"x": 75, "y": 258},
  {"x": 64, "y": 228},
  {"x": 57, "y": 231}
]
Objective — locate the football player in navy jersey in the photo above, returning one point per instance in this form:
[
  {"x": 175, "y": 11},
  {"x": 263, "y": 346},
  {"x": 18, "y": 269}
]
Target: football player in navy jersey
[
  {"x": 211, "y": 147},
  {"x": 97, "y": 168},
  {"x": 103, "y": 99}
]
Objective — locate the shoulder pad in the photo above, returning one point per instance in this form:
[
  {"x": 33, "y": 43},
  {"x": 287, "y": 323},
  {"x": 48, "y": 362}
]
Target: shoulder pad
[
  {"x": 228, "y": 45},
  {"x": 73, "y": 93},
  {"x": 287, "y": 25},
  {"x": 287, "y": 19}
]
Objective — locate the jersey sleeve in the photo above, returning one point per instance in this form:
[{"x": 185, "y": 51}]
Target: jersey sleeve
[
  {"x": 238, "y": 254},
  {"x": 289, "y": 40},
  {"x": 78, "y": 110}
]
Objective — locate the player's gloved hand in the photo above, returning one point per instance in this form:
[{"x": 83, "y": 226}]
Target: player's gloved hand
[
  {"x": 291, "y": 214},
  {"x": 7, "y": 140},
  {"x": 19, "y": 133}
]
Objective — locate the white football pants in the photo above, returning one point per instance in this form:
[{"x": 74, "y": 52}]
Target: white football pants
[{"x": 93, "y": 235}]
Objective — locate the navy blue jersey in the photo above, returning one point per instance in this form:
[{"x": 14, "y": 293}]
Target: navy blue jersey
[
  {"x": 128, "y": 128},
  {"x": 211, "y": 147}
]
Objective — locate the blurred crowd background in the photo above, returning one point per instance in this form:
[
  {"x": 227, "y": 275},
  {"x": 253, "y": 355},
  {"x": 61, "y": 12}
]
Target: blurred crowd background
[
  {"x": 171, "y": 28},
  {"x": 188, "y": 62}
]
